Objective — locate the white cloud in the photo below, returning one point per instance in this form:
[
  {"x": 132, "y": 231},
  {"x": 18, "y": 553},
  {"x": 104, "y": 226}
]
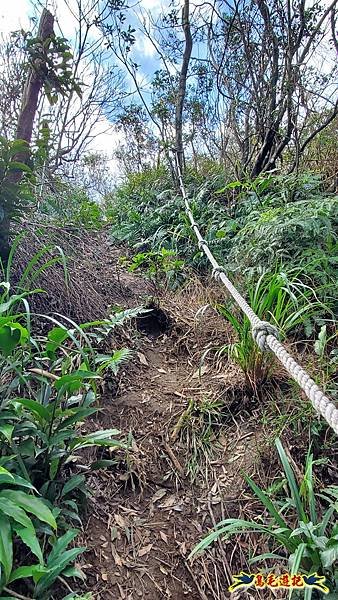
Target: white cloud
[
  {"x": 144, "y": 47},
  {"x": 106, "y": 141},
  {"x": 66, "y": 14},
  {"x": 155, "y": 6}
]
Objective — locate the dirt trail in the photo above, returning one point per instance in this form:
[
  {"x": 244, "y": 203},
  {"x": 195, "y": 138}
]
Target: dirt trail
[
  {"x": 146, "y": 514},
  {"x": 149, "y": 509}
]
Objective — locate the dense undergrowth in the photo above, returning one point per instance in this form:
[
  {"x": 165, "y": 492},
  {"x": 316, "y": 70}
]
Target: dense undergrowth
[
  {"x": 277, "y": 236},
  {"x": 62, "y": 340},
  {"x": 302, "y": 531},
  {"x": 49, "y": 388},
  {"x": 252, "y": 227}
]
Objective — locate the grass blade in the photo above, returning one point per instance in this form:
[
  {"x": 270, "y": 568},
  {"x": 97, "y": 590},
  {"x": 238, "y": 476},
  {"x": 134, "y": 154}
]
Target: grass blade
[{"x": 291, "y": 481}]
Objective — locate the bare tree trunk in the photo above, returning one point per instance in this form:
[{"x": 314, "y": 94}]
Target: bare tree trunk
[
  {"x": 183, "y": 82},
  {"x": 24, "y": 131},
  {"x": 32, "y": 88}
]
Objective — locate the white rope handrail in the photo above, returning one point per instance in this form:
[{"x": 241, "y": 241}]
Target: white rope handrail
[{"x": 264, "y": 334}]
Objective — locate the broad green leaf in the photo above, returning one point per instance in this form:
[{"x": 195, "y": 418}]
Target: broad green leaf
[
  {"x": 73, "y": 572},
  {"x": 60, "y": 546},
  {"x": 76, "y": 378},
  {"x": 5, "y": 306},
  {"x": 67, "y": 557},
  {"x": 35, "y": 571},
  {"x": 24, "y": 333},
  {"x": 56, "y": 336},
  {"x": 74, "y": 482},
  {"x": 308, "y": 594},
  {"x": 230, "y": 527},
  {"x": 62, "y": 436},
  {"x": 19, "y": 166},
  {"x": 18, "y": 146},
  {"x": 53, "y": 467},
  {"x": 34, "y": 407},
  {"x": 7, "y": 431},
  {"x": 330, "y": 555},
  {"x": 9, "y": 339},
  {"x": 102, "y": 434},
  {"x": 266, "y": 502},
  {"x": 295, "y": 559},
  {"x": 6, "y": 546},
  {"x": 16, "y": 513},
  {"x": 306, "y": 487},
  {"x": 291, "y": 481},
  {"x": 5, "y": 472},
  {"x": 77, "y": 414},
  {"x": 29, "y": 538},
  {"x": 84, "y": 442},
  {"x": 16, "y": 480},
  {"x": 31, "y": 504}
]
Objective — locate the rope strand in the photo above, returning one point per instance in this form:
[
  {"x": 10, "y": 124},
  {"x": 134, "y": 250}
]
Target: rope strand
[{"x": 265, "y": 335}]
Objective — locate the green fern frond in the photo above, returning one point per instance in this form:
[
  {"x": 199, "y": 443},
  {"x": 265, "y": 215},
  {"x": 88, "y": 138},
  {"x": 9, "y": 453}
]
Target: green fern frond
[{"x": 113, "y": 362}]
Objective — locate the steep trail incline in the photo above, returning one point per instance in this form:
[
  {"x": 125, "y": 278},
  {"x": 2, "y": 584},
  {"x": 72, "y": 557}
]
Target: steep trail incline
[
  {"x": 148, "y": 511},
  {"x": 193, "y": 430}
]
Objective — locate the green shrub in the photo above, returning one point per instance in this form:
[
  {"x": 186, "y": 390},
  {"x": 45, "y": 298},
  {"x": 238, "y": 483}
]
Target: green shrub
[
  {"x": 252, "y": 227},
  {"x": 282, "y": 300},
  {"x": 158, "y": 264},
  {"x": 15, "y": 189},
  {"x": 48, "y": 389},
  {"x": 71, "y": 206}
]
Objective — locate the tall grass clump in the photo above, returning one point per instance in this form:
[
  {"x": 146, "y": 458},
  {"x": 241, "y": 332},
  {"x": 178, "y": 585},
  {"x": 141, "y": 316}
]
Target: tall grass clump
[
  {"x": 283, "y": 300},
  {"x": 299, "y": 524}
]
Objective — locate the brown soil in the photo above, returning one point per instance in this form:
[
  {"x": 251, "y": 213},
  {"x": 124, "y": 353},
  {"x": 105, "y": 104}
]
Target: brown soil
[
  {"x": 95, "y": 279},
  {"x": 148, "y": 512}
]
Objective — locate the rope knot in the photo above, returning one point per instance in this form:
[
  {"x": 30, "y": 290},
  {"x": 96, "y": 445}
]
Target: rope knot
[
  {"x": 217, "y": 271},
  {"x": 202, "y": 243},
  {"x": 261, "y": 331}
]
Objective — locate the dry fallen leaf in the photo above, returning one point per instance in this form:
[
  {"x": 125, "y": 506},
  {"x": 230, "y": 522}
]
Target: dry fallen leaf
[
  {"x": 200, "y": 372},
  {"x": 116, "y": 556},
  {"x": 142, "y": 359},
  {"x": 234, "y": 458},
  {"x": 122, "y": 594},
  {"x": 145, "y": 550},
  {"x": 170, "y": 501},
  {"x": 158, "y": 495},
  {"x": 164, "y": 537},
  {"x": 163, "y": 570},
  {"x": 183, "y": 548},
  {"x": 120, "y": 520},
  {"x": 214, "y": 488}
]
